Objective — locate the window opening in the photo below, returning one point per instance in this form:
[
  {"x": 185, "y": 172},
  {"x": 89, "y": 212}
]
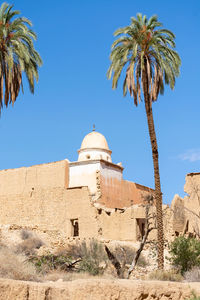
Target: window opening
[
  {"x": 141, "y": 227},
  {"x": 75, "y": 227}
]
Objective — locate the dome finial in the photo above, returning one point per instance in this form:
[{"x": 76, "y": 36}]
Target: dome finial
[{"x": 93, "y": 127}]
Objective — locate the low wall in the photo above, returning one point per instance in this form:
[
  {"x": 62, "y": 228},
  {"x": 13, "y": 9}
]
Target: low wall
[{"x": 96, "y": 289}]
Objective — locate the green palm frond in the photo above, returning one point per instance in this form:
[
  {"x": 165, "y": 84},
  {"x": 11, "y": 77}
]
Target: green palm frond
[
  {"x": 17, "y": 54},
  {"x": 144, "y": 45}
]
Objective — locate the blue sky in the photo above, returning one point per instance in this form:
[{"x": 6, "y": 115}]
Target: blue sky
[{"x": 74, "y": 40}]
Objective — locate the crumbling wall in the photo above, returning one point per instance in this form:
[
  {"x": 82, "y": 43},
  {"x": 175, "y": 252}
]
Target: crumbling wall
[
  {"x": 119, "y": 224},
  {"x": 78, "y": 203},
  {"x": 26, "y": 179},
  {"x": 50, "y": 209},
  {"x": 179, "y": 214},
  {"x": 186, "y": 211},
  {"x": 192, "y": 188}
]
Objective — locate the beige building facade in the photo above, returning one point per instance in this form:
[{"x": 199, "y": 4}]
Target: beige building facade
[{"x": 87, "y": 198}]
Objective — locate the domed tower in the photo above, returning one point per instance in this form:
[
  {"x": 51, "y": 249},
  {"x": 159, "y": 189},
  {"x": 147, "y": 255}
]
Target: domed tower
[
  {"x": 94, "y": 146},
  {"x": 94, "y": 164}
]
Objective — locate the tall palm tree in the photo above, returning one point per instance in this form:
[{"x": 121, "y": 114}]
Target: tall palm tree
[
  {"x": 147, "y": 53},
  {"x": 17, "y": 54}
]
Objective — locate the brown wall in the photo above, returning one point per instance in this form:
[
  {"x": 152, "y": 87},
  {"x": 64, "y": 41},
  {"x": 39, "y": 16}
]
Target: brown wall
[{"x": 121, "y": 193}]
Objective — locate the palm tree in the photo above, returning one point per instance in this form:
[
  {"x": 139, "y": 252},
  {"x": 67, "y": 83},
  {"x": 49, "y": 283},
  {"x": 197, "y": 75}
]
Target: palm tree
[
  {"x": 17, "y": 54},
  {"x": 148, "y": 56}
]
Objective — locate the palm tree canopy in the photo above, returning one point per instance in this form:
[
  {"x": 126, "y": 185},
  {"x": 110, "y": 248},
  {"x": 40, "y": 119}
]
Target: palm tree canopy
[
  {"x": 144, "y": 42},
  {"x": 17, "y": 54}
]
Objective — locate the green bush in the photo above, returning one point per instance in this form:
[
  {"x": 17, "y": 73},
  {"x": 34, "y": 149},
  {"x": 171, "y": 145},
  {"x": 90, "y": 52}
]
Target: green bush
[
  {"x": 49, "y": 262},
  {"x": 185, "y": 253}
]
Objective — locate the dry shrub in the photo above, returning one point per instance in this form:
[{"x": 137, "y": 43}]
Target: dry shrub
[
  {"x": 93, "y": 256},
  {"x": 125, "y": 255},
  {"x": 14, "y": 266},
  {"x": 29, "y": 245},
  {"x": 165, "y": 275},
  {"x": 25, "y": 234},
  {"x": 193, "y": 274}
]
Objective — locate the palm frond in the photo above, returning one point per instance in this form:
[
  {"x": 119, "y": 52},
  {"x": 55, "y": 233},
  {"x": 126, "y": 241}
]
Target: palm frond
[
  {"x": 144, "y": 45},
  {"x": 17, "y": 54}
]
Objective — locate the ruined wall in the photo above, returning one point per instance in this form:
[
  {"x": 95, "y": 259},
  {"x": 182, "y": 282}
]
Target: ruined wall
[
  {"x": 37, "y": 197},
  {"x": 26, "y": 179},
  {"x": 41, "y": 197},
  {"x": 186, "y": 211},
  {"x": 121, "y": 193},
  {"x": 79, "y": 207},
  {"x": 192, "y": 188},
  {"x": 179, "y": 214},
  {"x": 47, "y": 209},
  {"x": 120, "y": 224}
]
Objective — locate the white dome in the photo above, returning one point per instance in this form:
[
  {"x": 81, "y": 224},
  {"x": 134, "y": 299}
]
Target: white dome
[
  {"x": 94, "y": 146},
  {"x": 94, "y": 140}
]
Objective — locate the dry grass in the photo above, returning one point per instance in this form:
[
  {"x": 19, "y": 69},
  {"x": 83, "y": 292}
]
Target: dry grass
[
  {"x": 193, "y": 275},
  {"x": 14, "y": 266},
  {"x": 165, "y": 275},
  {"x": 56, "y": 275}
]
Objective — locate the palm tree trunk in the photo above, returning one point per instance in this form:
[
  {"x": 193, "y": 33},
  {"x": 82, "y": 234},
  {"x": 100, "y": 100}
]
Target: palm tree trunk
[{"x": 154, "y": 148}]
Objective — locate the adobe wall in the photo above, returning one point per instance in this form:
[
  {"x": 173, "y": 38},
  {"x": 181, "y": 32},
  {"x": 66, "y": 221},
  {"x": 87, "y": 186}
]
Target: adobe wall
[
  {"x": 121, "y": 193},
  {"x": 26, "y": 179},
  {"x": 120, "y": 224},
  {"x": 37, "y": 198},
  {"x": 48, "y": 209}
]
